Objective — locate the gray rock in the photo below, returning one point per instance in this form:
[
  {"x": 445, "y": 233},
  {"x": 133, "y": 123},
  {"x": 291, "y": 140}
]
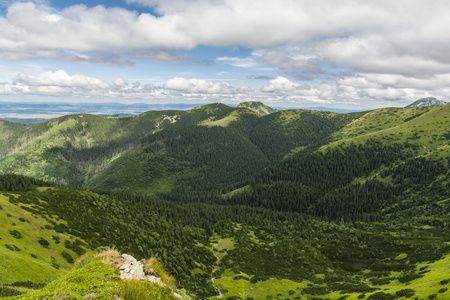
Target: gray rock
[{"x": 131, "y": 268}]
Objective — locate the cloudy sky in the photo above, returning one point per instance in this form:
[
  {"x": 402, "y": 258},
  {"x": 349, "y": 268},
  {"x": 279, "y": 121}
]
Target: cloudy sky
[{"x": 285, "y": 53}]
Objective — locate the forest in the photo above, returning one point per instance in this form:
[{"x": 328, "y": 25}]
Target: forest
[{"x": 291, "y": 204}]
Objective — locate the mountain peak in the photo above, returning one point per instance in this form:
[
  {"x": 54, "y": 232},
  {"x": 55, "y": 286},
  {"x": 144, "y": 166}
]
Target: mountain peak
[
  {"x": 429, "y": 101},
  {"x": 258, "y": 107}
]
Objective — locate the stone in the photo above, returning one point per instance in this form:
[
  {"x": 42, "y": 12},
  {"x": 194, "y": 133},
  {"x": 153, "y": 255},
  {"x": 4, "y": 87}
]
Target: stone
[{"x": 131, "y": 268}]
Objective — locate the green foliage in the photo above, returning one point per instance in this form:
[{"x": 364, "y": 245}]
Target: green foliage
[
  {"x": 20, "y": 183},
  {"x": 44, "y": 243},
  {"x": 15, "y": 234},
  {"x": 136, "y": 290},
  {"x": 101, "y": 280},
  {"x": 67, "y": 257},
  {"x": 257, "y": 107},
  {"x": 315, "y": 202},
  {"x": 8, "y": 292}
]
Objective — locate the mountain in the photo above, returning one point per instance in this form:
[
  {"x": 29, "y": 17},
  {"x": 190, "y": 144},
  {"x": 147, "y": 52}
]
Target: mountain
[
  {"x": 291, "y": 204},
  {"x": 430, "y": 101},
  {"x": 158, "y": 150},
  {"x": 257, "y": 107}
]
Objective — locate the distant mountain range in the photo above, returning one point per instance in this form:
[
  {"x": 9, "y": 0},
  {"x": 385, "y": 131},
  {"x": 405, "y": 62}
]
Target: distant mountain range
[{"x": 28, "y": 113}]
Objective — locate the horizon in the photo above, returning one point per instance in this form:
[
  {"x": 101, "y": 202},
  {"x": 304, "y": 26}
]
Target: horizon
[
  {"x": 34, "y": 112},
  {"x": 305, "y": 54}
]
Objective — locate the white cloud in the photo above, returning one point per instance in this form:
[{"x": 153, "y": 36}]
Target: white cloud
[
  {"x": 358, "y": 91},
  {"x": 282, "y": 84},
  {"x": 385, "y": 81},
  {"x": 120, "y": 83},
  {"x": 247, "y": 62},
  {"x": 61, "y": 79},
  {"x": 59, "y": 83},
  {"x": 198, "y": 86},
  {"x": 377, "y": 36},
  {"x": 162, "y": 56}
]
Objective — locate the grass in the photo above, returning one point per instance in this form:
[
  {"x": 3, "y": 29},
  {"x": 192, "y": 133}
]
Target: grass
[
  {"x": 435, "y": 281},
  {"x": 223, "y": 245},
  {"x": 23, "y": 258},
  {"x": 99, "y": 279},
  {"x": 425, "y": 127},
  {"x": 244, "y": 288},
  {"x": 224, "y": 122}
]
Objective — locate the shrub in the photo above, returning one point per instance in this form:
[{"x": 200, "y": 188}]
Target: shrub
[
  {"x": 7, "y": 292},
  {"x": 380, "y": 281},
  {"x": 44, "y": 243},
  {"x": 406, "y": 293},
  {"x": 408, "y": 277},
  {"x": 15, "y": 234},
  {"x": 67, "y": 257},
  {"x": 381, "y": 296},
  {"x": 12, "y": 248}
]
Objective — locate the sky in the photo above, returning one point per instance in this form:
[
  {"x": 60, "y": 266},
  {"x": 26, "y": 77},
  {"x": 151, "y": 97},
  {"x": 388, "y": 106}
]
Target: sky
[{"x": 345, "y": 54}]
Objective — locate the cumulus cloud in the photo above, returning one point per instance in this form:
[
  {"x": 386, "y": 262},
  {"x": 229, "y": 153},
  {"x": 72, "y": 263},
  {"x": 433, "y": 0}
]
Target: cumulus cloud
[
  {"x": 377, "y": 36},
  {"x": 198, "y": 86},
  {"x": 282, "y": 84},
  {"x": 384, "y": 81},
  {"x": 61, "y": 79},
  {"x": 120, "y": 83},
  {"x": 59, "y": 83},
  {"x": 359, "y": 90},
  {"x": 294, "y": 63}
]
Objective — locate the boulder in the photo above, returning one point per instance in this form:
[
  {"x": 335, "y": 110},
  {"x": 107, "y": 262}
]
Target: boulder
[{"x": 131, "y": 268}]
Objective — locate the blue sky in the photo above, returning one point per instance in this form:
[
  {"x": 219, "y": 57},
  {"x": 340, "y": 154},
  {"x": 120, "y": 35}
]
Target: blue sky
[{"x": 285, "y": 53}]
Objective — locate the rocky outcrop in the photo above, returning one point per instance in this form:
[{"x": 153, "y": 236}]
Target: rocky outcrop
[{"x": 130, "y": 268}]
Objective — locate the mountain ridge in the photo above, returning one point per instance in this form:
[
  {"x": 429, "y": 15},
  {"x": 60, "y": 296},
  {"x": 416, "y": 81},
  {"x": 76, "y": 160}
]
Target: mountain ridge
[{"x": 429, "y": 101}]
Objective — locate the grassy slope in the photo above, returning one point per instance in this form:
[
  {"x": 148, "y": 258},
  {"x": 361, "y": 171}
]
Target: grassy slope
[
  {"x": 19, "y": 265},
  {"x": 422, "y": 126},
  {"x": 258, "y": 107},
  {"x": 99, "y": 279},
  {"x": 422, "y": 277}
]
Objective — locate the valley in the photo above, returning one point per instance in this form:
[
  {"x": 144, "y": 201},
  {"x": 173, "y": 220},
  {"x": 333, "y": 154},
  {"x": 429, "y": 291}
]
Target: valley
[{"x": 272, "y": 204}]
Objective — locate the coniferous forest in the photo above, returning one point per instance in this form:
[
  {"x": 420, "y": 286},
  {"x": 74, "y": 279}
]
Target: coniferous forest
[{"x": 245, "y": 202}]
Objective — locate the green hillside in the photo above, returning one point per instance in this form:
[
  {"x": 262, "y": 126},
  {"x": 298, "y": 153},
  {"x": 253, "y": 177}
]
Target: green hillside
[
  {"x": 294, "y": 204},
  {"x": 34, "y": 248},
  {"x": 258, "y": 107},
  {"x": 98, "y": 277},
  {"x": 257, "y": 252},
  {"x": 156, "y": 151}
]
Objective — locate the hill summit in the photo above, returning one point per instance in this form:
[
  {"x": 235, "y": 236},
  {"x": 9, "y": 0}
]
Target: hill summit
[
  {"x": 429, "y": 101},
  {"x": 258, "y": 107}
]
